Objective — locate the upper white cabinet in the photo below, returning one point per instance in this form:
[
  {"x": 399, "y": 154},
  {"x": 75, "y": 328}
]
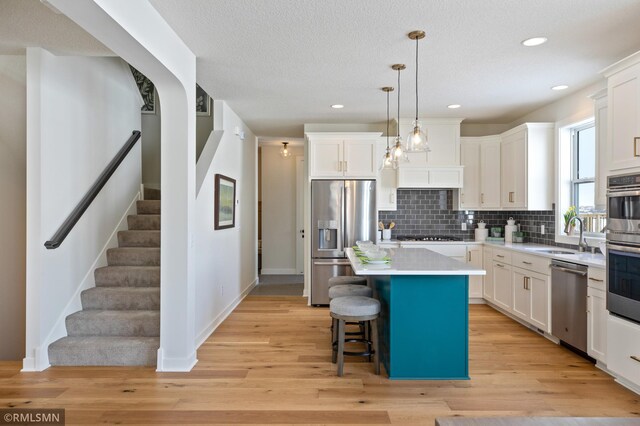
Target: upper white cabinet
[
  {"x": 443, "y": 136},
  {"x": 623, "y": 87},
  {"x": 387, "y": 182},
  {"x": 438, "y": 168},
  {"x": 601, "y": 110},
  {"x": 335, "y": 155},
  {"x": 480, "y": 158},
  {"x": 527, "y": 167}
]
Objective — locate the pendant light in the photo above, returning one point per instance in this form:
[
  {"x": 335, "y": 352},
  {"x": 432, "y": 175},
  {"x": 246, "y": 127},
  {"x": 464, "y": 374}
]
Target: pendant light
[
  {"x": 284, "y": 151},
  {"x": 417, "y": 138},
  {"x": 398, "y": 151},
  {"x": 387, "y": 160}
]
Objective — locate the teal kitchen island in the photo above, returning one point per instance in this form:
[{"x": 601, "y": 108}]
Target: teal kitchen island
[{"x": 424, "y": 318}]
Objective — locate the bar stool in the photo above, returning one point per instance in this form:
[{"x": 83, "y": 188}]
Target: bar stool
[
  {"x": 342, "y": 290},
  {"x": 357, "y": 309},
  {"x": 347, "y": 279}
]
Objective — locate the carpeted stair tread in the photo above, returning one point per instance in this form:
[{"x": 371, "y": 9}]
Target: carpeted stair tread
[
  {"x": 139, "y": 238},
  {"x": 133, "y": 256},
  {"x": 148, "y": 206},
  {"x": 151, "y": 193},
  {"x": 127, "y": 276},
  {"x": 121, "y": 298},
  {"x": 104, "y": 351},
  {"x": 114, "y": 323},
  {"x": 147, "y": 222}
]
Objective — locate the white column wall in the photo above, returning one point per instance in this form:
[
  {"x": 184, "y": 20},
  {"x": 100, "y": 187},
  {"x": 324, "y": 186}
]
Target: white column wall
[{"x": 135, "y": 31}]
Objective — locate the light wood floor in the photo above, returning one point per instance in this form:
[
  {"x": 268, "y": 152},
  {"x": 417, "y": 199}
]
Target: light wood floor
[{"x": 270, "y": 363}]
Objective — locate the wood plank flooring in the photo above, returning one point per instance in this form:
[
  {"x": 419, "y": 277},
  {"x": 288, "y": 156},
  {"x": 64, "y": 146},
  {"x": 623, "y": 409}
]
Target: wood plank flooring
[{"x": 270, "y": 363}]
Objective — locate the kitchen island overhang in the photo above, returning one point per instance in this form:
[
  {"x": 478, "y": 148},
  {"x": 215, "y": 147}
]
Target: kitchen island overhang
[{"x": 424, "y": 318}]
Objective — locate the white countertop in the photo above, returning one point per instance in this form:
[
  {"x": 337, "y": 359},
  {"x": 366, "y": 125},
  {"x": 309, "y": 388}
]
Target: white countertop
[
  {"x": 413, "y": 261},
  {"x": 587, "y": 259}
]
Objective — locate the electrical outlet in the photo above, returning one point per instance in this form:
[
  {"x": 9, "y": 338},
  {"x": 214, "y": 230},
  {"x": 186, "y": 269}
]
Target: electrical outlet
[
  {"x": 464, "y": 226},
  {"x": 542, "y": 229}
]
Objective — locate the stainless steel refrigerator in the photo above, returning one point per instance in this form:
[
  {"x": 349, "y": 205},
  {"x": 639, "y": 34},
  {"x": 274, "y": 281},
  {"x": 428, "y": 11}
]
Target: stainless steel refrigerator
[{"x": 342, "y": 212}]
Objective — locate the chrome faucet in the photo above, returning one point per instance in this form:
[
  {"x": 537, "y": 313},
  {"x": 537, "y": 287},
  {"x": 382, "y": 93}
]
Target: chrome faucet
[{"x": 582, "y": 243}]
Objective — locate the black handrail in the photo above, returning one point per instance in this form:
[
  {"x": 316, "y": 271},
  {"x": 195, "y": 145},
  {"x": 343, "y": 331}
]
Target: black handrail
[{"x": 91, "y": 194}]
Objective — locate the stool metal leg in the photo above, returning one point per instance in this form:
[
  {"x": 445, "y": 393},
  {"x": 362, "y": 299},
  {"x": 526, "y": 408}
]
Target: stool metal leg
[
  {"x": 334, "y": 337},
  {"x": 375, "y": 341},
  {"x": 340, "y": 347}
]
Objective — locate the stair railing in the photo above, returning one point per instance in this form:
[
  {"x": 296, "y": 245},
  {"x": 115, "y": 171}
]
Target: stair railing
[{"x": 92, "y": 193}]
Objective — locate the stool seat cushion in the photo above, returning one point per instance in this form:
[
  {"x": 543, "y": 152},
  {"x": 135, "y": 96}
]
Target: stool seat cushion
[
  {"x": 347, "y": 279},
  {"x": 349, "y": 290},
  {"x": 354, "y": 306}
]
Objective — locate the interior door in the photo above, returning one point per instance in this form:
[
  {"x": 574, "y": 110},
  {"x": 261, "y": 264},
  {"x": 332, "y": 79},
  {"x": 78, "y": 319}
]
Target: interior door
[{"x": 300, "y": 215}]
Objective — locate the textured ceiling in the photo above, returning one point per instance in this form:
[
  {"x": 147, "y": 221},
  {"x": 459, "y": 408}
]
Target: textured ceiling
[
  {"x": 27, "y": 23},
  {"x": 282, "y": 63}
]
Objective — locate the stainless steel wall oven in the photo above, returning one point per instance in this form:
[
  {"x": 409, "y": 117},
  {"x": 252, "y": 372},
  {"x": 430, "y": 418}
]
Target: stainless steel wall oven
[{"x": 623, "y": 246}]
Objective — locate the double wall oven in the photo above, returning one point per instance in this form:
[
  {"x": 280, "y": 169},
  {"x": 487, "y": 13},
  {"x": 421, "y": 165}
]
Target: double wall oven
[{"x": 623, "y": 246}]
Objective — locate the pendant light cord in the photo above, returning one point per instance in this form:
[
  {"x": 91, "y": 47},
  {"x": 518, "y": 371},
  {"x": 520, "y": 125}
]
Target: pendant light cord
[
  {"x": 416, "y": 79},
  {"x": 398, "y": 123},
  {"x": 387, "y": 121}
]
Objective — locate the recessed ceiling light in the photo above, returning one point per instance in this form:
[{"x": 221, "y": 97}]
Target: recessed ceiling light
[
  {"x": 560, "y": 87},
  {"x": 337, "y": 106},
  {"x": 534, "y": 41},
  {"x": 453, "y": 106}
]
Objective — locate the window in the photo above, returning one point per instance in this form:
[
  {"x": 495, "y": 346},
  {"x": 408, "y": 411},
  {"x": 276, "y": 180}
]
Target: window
[{"x": 583, "y": 177}]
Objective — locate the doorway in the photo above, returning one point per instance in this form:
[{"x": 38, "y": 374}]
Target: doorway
[{"x": 280, "y": 203}]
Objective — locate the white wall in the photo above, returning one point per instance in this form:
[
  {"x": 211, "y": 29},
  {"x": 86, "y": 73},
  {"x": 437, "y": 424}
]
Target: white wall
[
  {"x": 80, "y": 111},
  {"x": 13, "y": 191},
  {"x": 151, "y": 142},
  {"x": 279, "y": 210},
  {"x": 226, "y": 260}
]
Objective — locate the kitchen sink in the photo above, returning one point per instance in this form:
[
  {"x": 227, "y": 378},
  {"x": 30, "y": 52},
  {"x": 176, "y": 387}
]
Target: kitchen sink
[{"x": 555, "y": 251}]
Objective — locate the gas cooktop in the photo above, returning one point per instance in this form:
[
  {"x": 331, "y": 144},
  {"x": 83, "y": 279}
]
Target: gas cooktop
[{"x": 427, "y": 238}]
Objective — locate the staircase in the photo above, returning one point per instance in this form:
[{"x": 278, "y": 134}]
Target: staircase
[{"x": 119, "y": 323}]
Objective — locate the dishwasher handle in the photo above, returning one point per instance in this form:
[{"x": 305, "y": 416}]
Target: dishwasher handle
[{"x": 571, "y": 271}]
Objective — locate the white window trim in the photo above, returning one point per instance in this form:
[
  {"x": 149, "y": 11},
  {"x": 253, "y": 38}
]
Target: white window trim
[{"x": 563, "y": 134}]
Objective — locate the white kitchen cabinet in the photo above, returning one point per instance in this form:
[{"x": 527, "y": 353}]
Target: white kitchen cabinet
[
  {"x": 430, "y": 177},
  {"x": 503, "y": 290},
  {"x": 623, "y": 349},
  {"x": 623, "y": 93},
  {"x": 527, "y": 167},
  {"x": 443, "y": 137},
  {"x": 597, "y": 315},
  {"x": 600, "y": 113},
  {"x": 480, "y": 157},
  {"x": 487, "y": 261},
  {"x": 539, "y": 287},
  {"x": 521, "y": 296},
  {"x": 349, "y": 155},
  {"x": 474, "y": 257},
  {"x": 387, "y": 183}
]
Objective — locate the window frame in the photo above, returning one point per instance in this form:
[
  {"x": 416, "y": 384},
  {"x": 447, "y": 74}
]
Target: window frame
[{"x": 576, "y": 180}]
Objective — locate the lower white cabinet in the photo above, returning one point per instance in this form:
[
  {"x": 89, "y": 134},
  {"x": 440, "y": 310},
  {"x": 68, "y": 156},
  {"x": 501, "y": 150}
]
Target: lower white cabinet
[
  {"x": 474, "y": 257},
  {"x": 502, "y": 288},
  {"x": 597, "y": 315},
  {"x": 521, "y": 286},
  {"x": 623, "y": 349},
  {"x": 487, "y": 261}
]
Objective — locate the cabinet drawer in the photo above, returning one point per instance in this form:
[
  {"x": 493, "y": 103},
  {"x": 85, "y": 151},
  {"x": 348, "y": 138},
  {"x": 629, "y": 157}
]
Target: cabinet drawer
[
  {"x": 502, "y": 256},
  {"x": 597, "y": 278},
  {"x": 623, "y": 349},
  {"x": 532, "y": 263}
]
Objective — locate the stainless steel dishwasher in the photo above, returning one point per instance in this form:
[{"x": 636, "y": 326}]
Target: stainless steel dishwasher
[{"x": 569, "y": 303}]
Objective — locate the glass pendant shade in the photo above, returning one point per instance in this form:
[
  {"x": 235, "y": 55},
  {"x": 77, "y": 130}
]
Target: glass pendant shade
[
  {"x": 417, "y": 138},
  {"x": 398, "y": 151},
  {"x": 285, "y": 152}
]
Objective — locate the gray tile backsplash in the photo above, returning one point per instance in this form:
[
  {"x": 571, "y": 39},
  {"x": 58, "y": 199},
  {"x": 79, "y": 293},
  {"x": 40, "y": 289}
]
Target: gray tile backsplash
[{"x": 430, "y": 212}]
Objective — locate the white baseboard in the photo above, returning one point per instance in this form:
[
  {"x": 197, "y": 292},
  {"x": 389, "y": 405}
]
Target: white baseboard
[
  {"x": 175, "y": 365},
  {"x": 477, "y": 301},
  {"x": 59, "y": 330},
  {"x": 279, "y": 271},
  {"x": 215, "y": 323}
]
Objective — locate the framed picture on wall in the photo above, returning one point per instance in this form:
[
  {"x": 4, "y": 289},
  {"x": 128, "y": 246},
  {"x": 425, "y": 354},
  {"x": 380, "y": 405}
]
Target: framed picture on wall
[
  {"x": 225, "y": 202},
  {"x": 203, "y": 102},
  {"x": 147, "y": 91}
]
